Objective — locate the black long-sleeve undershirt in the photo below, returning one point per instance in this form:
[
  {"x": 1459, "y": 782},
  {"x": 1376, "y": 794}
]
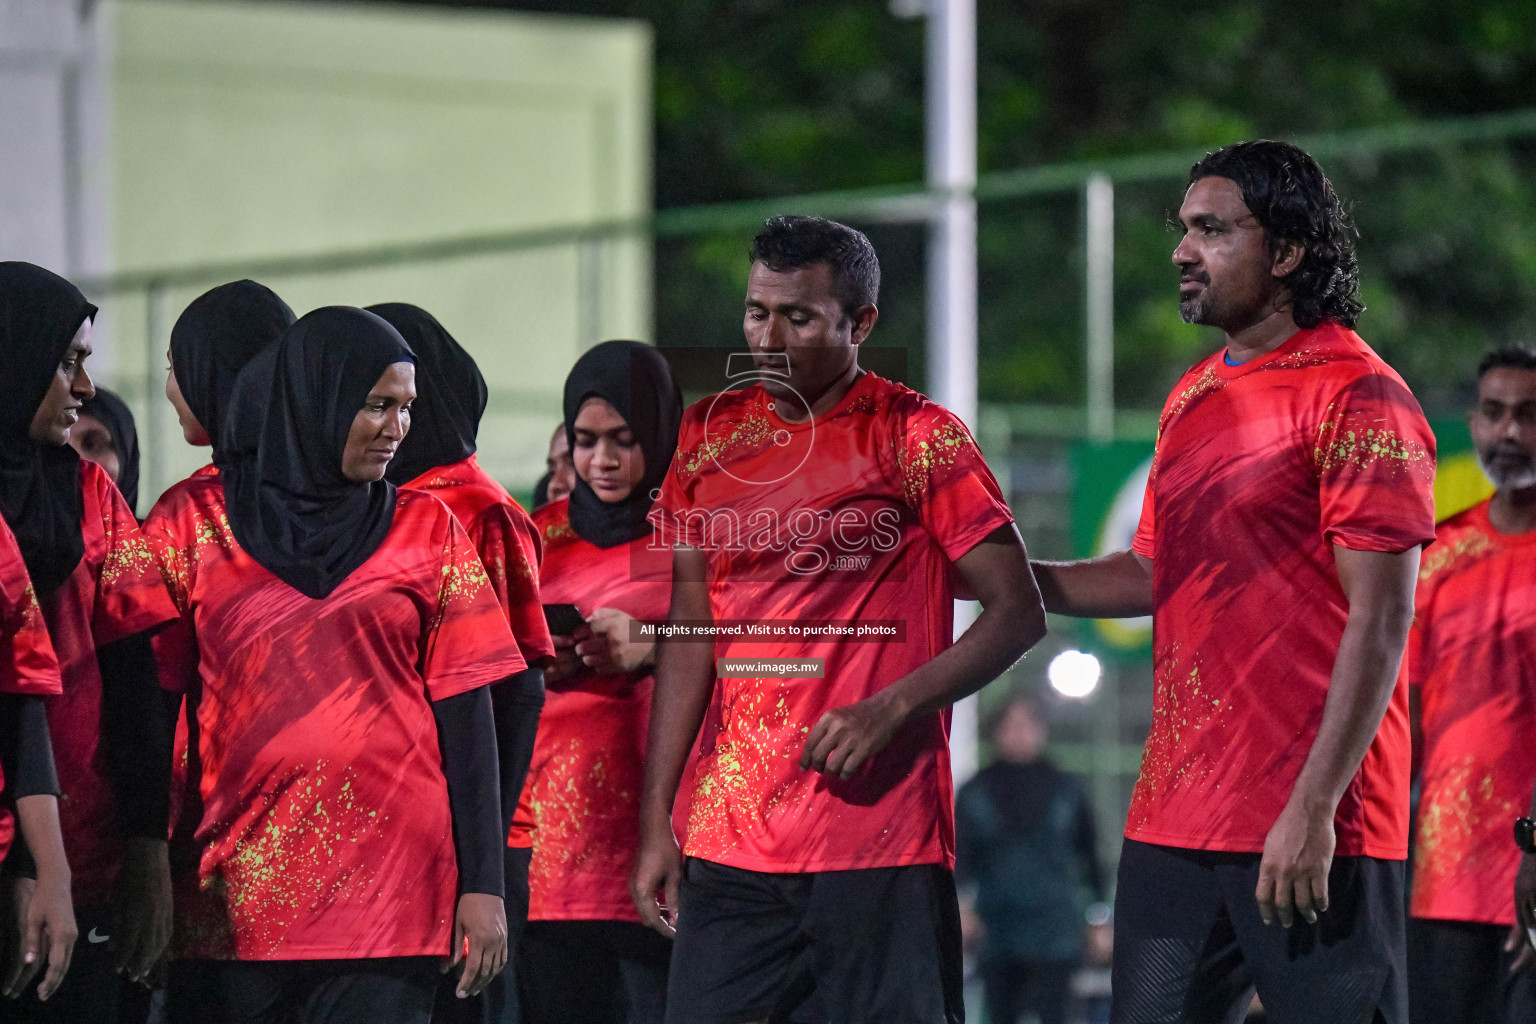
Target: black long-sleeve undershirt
[
  {"x": 517, "y": 702},
  {"x": 136, "y": 736},
  {"x": 26, "y": 755},
  {"x": 466, "y": 736}
]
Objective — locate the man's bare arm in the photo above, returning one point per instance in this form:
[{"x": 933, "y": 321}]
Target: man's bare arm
[
  {"x": 1111, "y": 587},
  {"x": 1293, "y": 875},
  {"x": 685, "y": 678},
  {"x": 1011, "y": 622}
]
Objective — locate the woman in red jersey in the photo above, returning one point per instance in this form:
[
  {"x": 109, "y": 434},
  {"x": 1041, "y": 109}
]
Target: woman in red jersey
[
  {"x": 438, "y": 456},
  {"x": 585, "y": 956},
  {"x": 346, "y": 638},
  {"x": 101, "y": 599},
  {"x": 29, "y": 671},
  {"x": 215, "y": 336}
]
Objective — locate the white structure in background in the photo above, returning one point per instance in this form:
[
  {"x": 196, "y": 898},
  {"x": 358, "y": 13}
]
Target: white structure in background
[
  {"x": 52, "y": 135},
  {"x": 952, "y": 300},
  {"x": 138, "y": 136}
]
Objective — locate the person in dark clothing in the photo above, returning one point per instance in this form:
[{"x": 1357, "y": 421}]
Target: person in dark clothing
[
  {"x": 1025, "y": 848},
  {"x": 105, "y": 434}
]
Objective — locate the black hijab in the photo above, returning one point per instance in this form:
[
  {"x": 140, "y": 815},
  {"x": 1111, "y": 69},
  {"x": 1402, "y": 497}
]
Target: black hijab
[
  {"x": 40, "y": 493},
  {"x": 635, "y": 380},
  {"x": 113, "y": 413},
  {"x": 290, "y": 505},
  {"x": 215, "y": 337},
  {"x": 450, "y": 395}
]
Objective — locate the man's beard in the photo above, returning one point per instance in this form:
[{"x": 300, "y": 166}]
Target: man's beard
[
  {"x": 1507, "y": 477},
  {"x": 1194, "y": 310}
]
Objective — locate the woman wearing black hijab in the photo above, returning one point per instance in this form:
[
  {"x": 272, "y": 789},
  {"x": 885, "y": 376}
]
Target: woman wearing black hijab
[
  {"x": 101, "y": 598},
  {"x": 345, "y": 638},
  {"x": 216, "y": 335},
  {"x": 586, "y": 957},
  {"x": 105, "y": 434},
  {"x": 438, "y": 456}
]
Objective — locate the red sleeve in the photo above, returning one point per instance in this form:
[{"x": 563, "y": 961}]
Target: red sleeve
[
  {"x": 175, "y": 647},
  {"x": 1375, "y": 460},
  {"x": 468, "y": 644},
  {"x": 947, "y": 482},
  {"x": 509, "y": 549},
  {"x": 1144, "y": 543},
  {"x": 669, "y": 512},
  {"x": 27, "y": 660},
  {"x": 130, "y": 593}
]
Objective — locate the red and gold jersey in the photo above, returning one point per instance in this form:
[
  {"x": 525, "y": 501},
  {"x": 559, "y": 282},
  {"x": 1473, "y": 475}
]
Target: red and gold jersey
[
  {"x": 508, "y": 544},
  {"x": 1472, "y": 654},
  {"x": 113, "y": 593},
  {"x": 325, "y": 829},
  {"x": 28, "y": 664},
  {"x": 589, "y": 758},
  {"x": 1260, "y": 470},
  {"x": 838, "y": 537}
]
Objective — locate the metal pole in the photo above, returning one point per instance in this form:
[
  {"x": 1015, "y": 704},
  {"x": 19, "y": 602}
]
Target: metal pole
[
  {"x": 951, "y": 102},
  {"x": 1100, "y": 290}
]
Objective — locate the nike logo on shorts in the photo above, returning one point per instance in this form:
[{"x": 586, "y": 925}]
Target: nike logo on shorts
[{"x": 93, "y": 937}]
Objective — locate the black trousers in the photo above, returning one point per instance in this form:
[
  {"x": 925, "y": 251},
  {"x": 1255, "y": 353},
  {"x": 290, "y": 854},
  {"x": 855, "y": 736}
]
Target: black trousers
[
  {"x": 1458, "y": 973},
  {"x": 396, "y": 990},
  {"x": 1190, "y": 945},
  {"x": 91, "y": 989},
  {"x": 592, "y": 972},
  {"x": 1015, "y": 985}
]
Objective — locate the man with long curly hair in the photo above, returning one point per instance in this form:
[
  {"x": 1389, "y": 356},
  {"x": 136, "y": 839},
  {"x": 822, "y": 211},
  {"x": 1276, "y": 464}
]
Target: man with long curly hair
[{"x": 1278, "y": 548}]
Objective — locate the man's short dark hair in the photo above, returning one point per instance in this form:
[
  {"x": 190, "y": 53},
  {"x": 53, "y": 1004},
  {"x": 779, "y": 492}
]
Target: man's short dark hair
[
  {"x": 1295, "y": 203},
  {"x": 792, "y": 242},
  {"x": 1508, "y": 357}
]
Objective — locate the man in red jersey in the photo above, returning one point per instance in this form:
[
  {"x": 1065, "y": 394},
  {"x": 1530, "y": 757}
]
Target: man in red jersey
[
  {"x": 822, "y": 500},
  {"x": 1472, "y": 663},
  {"x": 1278, "y": 546}
]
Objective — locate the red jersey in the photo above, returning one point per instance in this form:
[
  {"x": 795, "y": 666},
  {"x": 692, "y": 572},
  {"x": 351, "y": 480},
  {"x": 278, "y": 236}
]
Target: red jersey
[
  {"x": 113, "y": 593},
  {"x": 1259, "y": 470},
  {"x": 854, "y": 519},
  {"x": 325, "y": 830},
  {"x": 589, "y": 758},
  {"x": 27, "y": 662},
  {"x": 1472, "y": 654},
  {"x": 508, "y": 544}
]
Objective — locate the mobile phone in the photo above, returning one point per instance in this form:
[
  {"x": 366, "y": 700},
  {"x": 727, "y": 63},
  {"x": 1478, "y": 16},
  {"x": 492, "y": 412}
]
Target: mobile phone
[{"x": 563, "y": 619}]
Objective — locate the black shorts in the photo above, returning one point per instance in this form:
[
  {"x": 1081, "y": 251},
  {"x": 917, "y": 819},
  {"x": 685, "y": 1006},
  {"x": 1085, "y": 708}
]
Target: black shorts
[
  {"x": 90, "y": 991},
  {"x": 392, "y": 990},
  {"x": 1191, "y": 948},
  {"x": 1458, "y": 973},
  {"x": 873, "y": 946}
]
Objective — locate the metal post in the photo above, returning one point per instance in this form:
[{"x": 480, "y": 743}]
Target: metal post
[
  {"x": 1100, "y": 291},
  {"x": 951, "y": 102}
]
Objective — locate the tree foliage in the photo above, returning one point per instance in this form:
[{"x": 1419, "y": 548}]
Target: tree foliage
[{"x": 760, "y": 98}]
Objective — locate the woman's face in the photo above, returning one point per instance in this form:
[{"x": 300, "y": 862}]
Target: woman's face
[
  {"x": 191, "y": 429},
  {"x": 91, "y": 438},
  {"x": 607, "y": 456},
  {"x": 380, "y": 425},
  {"x": 562, "y": 472},
  {"x": 69, "y": 389}
]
